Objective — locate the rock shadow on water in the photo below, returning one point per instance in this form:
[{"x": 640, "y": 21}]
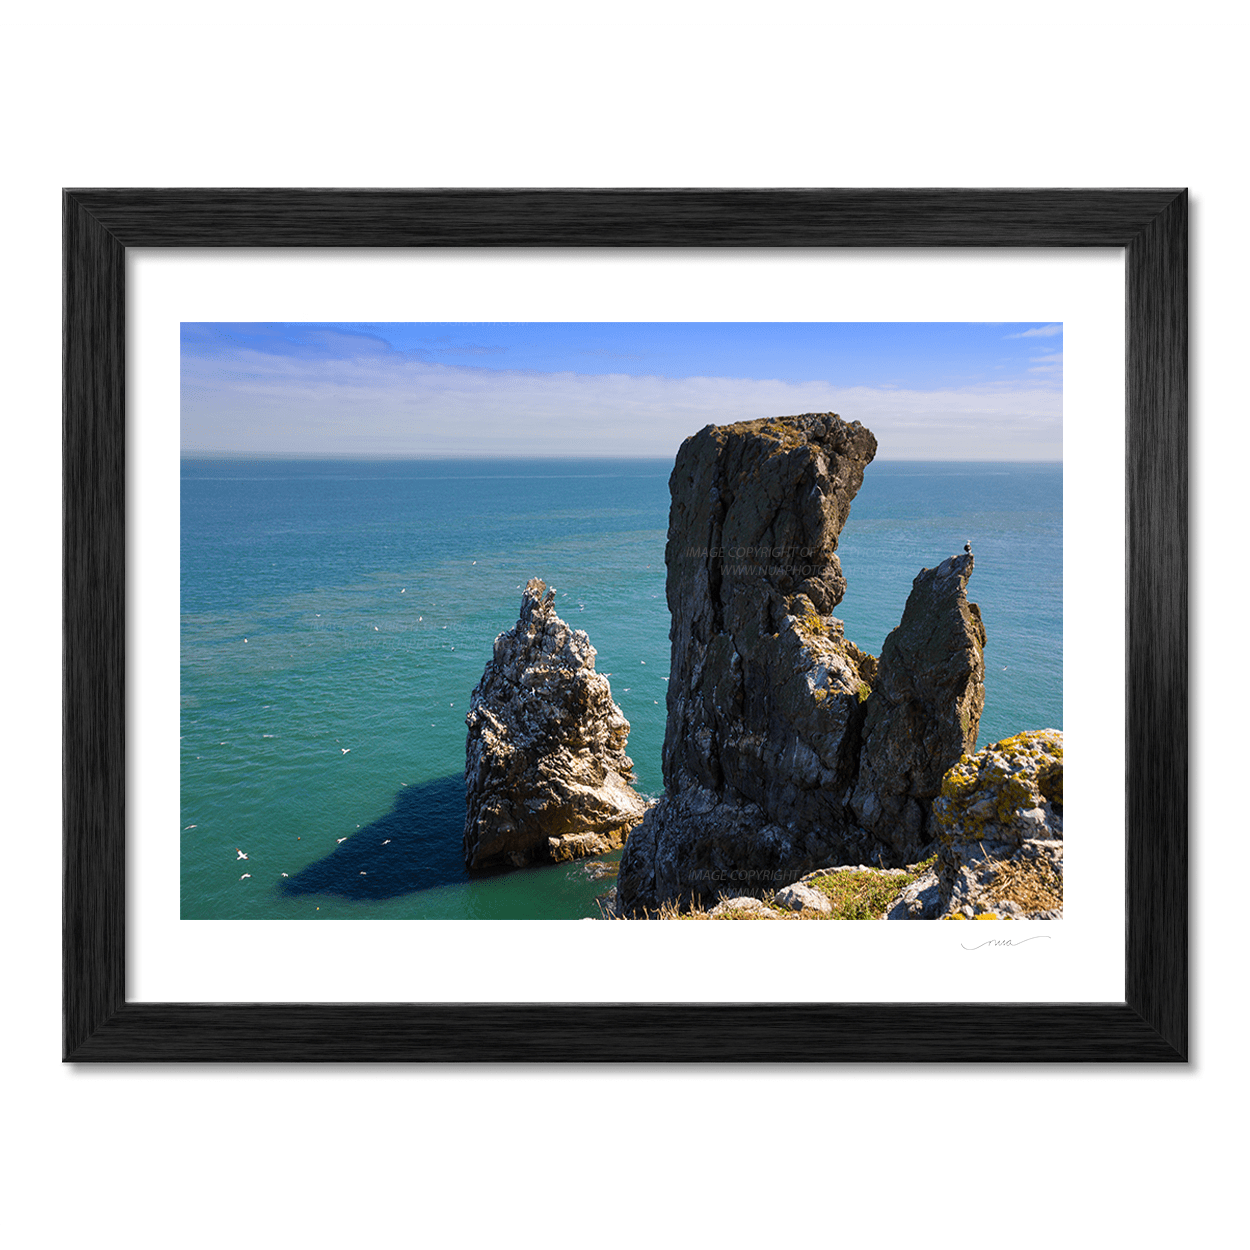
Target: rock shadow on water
[{"x": 416, "y": 846}]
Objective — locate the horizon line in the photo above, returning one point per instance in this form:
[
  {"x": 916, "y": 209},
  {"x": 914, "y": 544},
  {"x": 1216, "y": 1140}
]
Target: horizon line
[{"x": 203, "y": 454}]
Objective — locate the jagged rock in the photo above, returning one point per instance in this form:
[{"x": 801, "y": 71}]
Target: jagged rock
[
  {"x": 919, "y": 901},
  {"x": 753, "y": 574},
  {"x": 765, "y": 694},
  {"x": 767, "y": 699},
  {"x": 925, "y": 707},
  {"x": 999, "y": 828},
  {"x": 691, "y": 848},
  {"x": 546, "y": 774}
]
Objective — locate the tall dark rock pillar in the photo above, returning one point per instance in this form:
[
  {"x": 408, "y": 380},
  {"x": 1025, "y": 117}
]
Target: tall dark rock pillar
[
  {"x": 924, "y": 710},
  {"x": 787, "y": 748},
  {"x": 764, "y": 701}
]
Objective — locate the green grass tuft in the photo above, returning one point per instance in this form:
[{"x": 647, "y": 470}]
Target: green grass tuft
[{"x": 865, "y": 895}]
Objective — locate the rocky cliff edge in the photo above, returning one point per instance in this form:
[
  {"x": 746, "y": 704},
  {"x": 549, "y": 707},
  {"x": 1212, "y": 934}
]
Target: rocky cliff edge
[{"x": 770, "y": 707}]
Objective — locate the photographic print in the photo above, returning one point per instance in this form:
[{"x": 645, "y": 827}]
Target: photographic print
[
  {"x": 139, "y": 984},
  {"x": 621, "y": 621}
]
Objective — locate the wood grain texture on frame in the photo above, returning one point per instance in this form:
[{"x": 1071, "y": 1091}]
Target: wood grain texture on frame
[{"x": 100, "y": 1025}]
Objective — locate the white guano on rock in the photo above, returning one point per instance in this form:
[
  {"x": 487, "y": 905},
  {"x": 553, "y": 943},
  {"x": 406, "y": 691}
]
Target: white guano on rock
[{"x": 547, "y": 778}]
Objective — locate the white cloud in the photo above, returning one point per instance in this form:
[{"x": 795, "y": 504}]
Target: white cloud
[
  {"x": 1039, "y": 332},
  {"x": 262, "y": 404}
]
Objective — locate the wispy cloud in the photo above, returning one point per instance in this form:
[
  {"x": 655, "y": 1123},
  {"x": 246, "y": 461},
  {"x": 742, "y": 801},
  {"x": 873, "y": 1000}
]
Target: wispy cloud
[
  {"x": 393, "y": 404},
  {"x": 1052, "y": 364},
  {"x": 1038, "y": 332}
]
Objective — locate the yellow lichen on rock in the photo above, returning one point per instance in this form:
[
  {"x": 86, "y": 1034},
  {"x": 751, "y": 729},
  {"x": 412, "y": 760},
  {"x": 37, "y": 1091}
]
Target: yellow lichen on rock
[{"x": 999, "y": 827}]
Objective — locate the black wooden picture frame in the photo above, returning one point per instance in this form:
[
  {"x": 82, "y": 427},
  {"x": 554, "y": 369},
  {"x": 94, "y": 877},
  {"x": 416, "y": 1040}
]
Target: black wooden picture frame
[{"x": 1150, "y": 1025}]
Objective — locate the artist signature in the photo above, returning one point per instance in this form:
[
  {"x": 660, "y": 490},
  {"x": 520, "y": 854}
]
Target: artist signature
[{"x": 1006, "y": 941}]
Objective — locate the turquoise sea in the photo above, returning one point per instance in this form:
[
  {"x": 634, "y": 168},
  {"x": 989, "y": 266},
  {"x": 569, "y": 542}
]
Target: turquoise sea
[{"x": 336, "y": 616}]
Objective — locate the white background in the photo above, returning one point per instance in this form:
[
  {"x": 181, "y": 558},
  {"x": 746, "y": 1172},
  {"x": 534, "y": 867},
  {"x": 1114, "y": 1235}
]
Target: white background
[{"x": 677, "y": 94}]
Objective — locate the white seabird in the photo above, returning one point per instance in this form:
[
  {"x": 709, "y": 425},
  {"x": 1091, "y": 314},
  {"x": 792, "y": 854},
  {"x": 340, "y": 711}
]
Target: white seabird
[{"x": 241, "y": 854}]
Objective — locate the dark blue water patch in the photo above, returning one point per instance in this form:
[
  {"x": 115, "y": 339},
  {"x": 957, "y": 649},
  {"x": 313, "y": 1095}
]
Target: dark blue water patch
[{"x": 417, "y": 845}]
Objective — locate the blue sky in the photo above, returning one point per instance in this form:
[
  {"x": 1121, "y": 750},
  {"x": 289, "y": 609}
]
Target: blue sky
[{"x": 927, "y": 390}]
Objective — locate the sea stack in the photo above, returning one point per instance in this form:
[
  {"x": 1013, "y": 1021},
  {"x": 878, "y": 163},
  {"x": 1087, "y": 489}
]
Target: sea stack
[
  {"x": 925, "y": 708},
  {"x": 767, "y": 700},
  {"x": 546, "y": 774}
]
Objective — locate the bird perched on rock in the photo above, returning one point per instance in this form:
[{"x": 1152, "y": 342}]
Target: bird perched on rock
[{"x": 968, "y": 548}]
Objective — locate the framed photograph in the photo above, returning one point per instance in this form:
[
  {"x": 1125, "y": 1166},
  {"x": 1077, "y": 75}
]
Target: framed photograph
[{"x": 472, "y": 238}]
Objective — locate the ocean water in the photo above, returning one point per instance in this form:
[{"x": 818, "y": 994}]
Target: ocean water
[{"x": 337, "y": 615}]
